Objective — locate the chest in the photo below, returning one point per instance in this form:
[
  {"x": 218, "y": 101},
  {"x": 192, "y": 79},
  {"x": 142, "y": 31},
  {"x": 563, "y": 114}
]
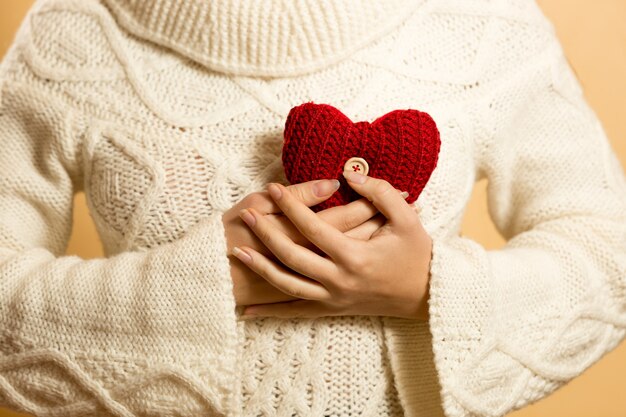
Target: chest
[{"x": 147, "y": 180}]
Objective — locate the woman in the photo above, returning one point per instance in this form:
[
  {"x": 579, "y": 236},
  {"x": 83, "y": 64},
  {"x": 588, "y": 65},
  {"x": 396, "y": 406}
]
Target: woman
[{"x": 169, "y": 115}]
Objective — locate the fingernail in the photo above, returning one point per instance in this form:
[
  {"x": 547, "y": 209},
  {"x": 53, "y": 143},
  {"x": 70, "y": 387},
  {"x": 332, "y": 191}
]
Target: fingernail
[
  {"x": 245, "y": 314},
  {"x": 247, "y": 217},
  {"x": 241, "y": 255},
  {"x": 325, "y": 187},
  {"x": 354, "y": 177},
  {"x": 404, "y": 194},
  {"x": 274, "y": 191}
]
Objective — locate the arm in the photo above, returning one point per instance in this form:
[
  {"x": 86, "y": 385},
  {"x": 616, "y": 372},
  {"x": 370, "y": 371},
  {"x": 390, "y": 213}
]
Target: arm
[
  {"x": 139, "y": 333},
  {"x": 510, "y": 326}
]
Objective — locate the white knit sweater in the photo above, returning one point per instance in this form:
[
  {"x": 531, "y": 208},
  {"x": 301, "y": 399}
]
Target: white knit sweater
[{"x": 168, "y": 112}]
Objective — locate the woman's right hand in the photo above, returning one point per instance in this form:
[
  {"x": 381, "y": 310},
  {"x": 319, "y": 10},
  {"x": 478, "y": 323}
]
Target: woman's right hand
[{"x": 359, "y": 219}]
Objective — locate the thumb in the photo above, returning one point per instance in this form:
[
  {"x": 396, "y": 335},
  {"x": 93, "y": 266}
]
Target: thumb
[{"x": 383, "y": 196}]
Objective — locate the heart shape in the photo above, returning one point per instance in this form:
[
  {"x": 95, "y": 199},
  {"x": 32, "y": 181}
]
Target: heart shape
[{"x": 401, "y": 147}]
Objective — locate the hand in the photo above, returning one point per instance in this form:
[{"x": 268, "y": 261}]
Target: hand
[
  {"x": 386, "y": 275},
  {"x": 358, "y": 219}
]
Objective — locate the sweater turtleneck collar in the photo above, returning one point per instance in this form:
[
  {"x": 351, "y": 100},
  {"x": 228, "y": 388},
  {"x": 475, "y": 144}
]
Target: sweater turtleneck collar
[{"x": 267, "y": 38}]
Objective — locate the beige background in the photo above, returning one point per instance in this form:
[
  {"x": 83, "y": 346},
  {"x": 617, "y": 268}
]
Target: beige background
[{"x": 593, "y": 34}]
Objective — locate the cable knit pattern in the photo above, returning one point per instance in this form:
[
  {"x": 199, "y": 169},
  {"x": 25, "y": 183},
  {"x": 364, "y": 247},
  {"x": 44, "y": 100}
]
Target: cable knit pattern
[{"x": 149, "y": 107}]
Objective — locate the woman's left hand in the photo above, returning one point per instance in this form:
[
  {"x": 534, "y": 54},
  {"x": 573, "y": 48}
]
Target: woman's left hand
[{"x": 387, "y": 275}]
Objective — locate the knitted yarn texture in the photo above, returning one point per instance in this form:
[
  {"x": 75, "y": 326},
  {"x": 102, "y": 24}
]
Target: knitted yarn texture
[
  {"x": 401, "y": 146},
  {"x": 166, "y": 113}
]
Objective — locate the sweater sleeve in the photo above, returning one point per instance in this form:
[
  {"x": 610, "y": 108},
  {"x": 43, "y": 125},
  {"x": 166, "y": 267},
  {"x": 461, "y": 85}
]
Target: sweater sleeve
[
  {"x": 149, "y": 332},
  {"x": 510, "y": 326}
]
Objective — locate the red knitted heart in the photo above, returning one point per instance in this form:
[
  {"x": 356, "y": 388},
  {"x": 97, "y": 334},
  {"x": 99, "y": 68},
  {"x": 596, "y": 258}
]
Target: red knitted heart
[{"x": 401, "y": 147}]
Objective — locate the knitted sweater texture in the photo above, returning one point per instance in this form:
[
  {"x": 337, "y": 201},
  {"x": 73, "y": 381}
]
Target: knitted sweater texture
[{"x": 166, "y": 113}]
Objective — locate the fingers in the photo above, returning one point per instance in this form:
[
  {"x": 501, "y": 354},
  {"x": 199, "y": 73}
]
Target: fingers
[
  {"x": 351, "y": 215},
  {"x": 348, "y": 216},
  {"x": 365, "y": 230},
  {"x": 323, "y": 235},
  {"x": 289, "y": 309},
  {"x": 280, "y": 277},
  {"x": 383, "y": 195},
  {"x": 294, "y": 256},
  {"x": 309, "y": 193}
]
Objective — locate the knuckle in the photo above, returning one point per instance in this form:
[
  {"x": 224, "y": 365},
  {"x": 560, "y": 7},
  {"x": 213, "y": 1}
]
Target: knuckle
[
  {"x": 265, "y": 236},
  {"x": 298, "y": 314},
  {"x": 275, "y": 221},
  {"x": 347, "y": 223},
  {"x": 255, "y": 199},
  {"x": 355, "y": 262},
  {"x": 414, "y": 220},
  {"x": 289, "y": 258},
  {"x": 337, "y": 216},
  {"x": 260, "y": 268},
  {"x": 313, "y": 230},
  {"x": 353, "y": 215},
  {"x": 296, "y": 191},
  {"x": 295, "y": 292},
  {"x": 287, "y": 209},
  {"x": 382, "y": 187},
  {"x": 346, "y": 287}
]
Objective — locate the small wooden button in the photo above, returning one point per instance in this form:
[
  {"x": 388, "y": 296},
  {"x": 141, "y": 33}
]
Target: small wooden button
[{"x": 356, "y": 164}]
